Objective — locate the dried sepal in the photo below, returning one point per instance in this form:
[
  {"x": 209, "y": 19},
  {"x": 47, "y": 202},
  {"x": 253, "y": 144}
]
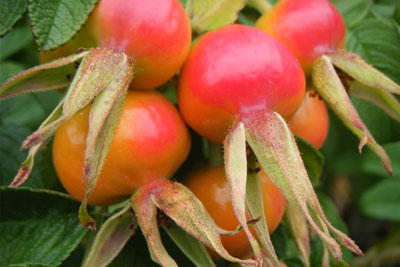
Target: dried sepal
[
  {"x": 27, "y": 166},
  {"x": 103, "y": 119},
  {"x": 331, "y": 89},
  {"x": 236, "y": 174},
  {"x": 50, "y": 76},
  {"x": 111, "y": 238},
  {"x": 146, "y": 214},
  {"x": 254, "y": 204},
  {"x": 297, "y": 225},
  {"x": 274, "y": 146}
]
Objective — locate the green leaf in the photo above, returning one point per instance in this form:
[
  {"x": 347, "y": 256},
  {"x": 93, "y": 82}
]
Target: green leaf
[
  {"x": 38, "y": 227},
  {"x": 383, "y": 200},
  {"x": 28, "y": 110},
  {"x": 16, "y": 39},
  {"x": 353, "y": 11},
  {"x": 192, "y": 248},
  {"x": 9, "y": 69},
  {"x": 377, "y": 121},
  {"x": 207, "y": 15},
  {"x": 10, "y": 12},
  {"x": 377, "y": 42},
  {"x": 55, "y": 22},
  {"x": 312, "y": 158},
  {"x": 396, "y": 15}
]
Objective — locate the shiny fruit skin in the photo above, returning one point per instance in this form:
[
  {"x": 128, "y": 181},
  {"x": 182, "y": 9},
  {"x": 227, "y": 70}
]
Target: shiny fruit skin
[
  {"x": 233, "y": 71},
  {"x": 309, "y": 28},
  {"x": 212, "y": 189},
  {"x": 311, "y": 120},
  {"x": 156, "y": 33},
  {"x": 151, "y": 141}
]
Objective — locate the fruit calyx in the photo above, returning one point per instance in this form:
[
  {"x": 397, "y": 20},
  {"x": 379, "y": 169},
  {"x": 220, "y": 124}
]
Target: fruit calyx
[{"x": 275, "y": 148}]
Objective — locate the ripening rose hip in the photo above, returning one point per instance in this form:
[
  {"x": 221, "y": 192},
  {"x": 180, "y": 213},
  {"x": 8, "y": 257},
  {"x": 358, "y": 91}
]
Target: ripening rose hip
[
  {"x": 150, "y": 143},
  {"x": 311, "y": 120},
  {"x": 234, "y": 72},
  {"x": 156, "y": 33},
  {"x": 212, "y": 189},
  {"x": 309, "y": 28}
]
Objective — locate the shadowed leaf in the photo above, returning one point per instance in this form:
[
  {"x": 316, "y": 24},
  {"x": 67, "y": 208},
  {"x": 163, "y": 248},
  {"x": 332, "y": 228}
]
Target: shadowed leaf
[{"x": 207, "y": 15}]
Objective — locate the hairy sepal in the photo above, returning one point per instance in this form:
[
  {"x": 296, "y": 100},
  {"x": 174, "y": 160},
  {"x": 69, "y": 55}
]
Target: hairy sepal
[
  {"x": 146, "y": 214},
  {"x": 331, "y": 89},
  {"x": 207, "y": 15},
  {"x": 361, "y": 71},
  {"x": 255, "y": 207},
  {"x": 27, "y": 166},
  {"x": 96, "y": 71},
  {"x": 103, "y": 119},
  {"x": 179, "y": 204},
  {"x": 274, "y": 146},
  {"x": 190, "y": 246},
  {"x": 377, "y": 96},
  {"x": 236, "y": 174},
  {"x": 297, "y": 224},
  {"x": 111, "y": 238},
  {"x": 50, "y": 76}
]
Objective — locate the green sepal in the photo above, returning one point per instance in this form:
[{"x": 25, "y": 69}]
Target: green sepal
[
  {"x": 146, "y": 215},
  {"x": 207, "y": 15},
  {"x": 297, "y": 225},
  {"x": 329, "y": 86},
  {"x": 377, "y": 96},
  {"x": 255, "y": 207},
  {"x": 91, "y": 78},
  {"x": 179, "y": 203},
  {"x": 274, "y": 146},
  {"x": 103, "y": 119},
  {"x": 50, "y": 76},
  {"x": 191, "y": 247},
  {"x": 361, "y": 71},
  {"x": 111, "y": 238},
  {"x": 236, "y": 175}
]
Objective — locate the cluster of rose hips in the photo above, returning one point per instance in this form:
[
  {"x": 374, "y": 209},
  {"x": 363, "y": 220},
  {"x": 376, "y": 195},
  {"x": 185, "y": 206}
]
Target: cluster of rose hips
[{"x": 233, "y": 77}]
